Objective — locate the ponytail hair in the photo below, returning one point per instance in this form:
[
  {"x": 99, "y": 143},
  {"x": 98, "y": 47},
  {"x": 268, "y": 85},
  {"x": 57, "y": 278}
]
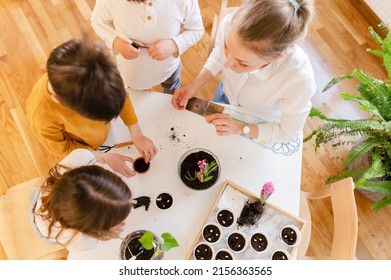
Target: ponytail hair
[{"x": 269, "y": 27}]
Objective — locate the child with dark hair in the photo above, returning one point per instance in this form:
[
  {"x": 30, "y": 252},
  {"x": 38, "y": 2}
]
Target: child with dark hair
[
  {"x": 78, "y": 206},
  {"x": 263, "y": 70},
  {"x": 71, "y": 106}
]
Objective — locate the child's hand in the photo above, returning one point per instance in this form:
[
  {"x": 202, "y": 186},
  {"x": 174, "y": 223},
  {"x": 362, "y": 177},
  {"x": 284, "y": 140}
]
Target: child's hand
[
  {"x": 126, "y": 49},
  {"x": 224, "y": 124},
  {"x": 145, "y": 147},
  {"x": 116, "y": 162},
  {"x": 162, "y": 49},
  {"x": 181, "y": 96}
]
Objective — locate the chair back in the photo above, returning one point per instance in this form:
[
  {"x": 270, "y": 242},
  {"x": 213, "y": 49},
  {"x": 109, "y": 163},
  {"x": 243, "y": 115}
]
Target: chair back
[
  {"x": 18, "y": 239},
  {"x": 345, "y": 217},
  {"x": 224, "y": 10}
]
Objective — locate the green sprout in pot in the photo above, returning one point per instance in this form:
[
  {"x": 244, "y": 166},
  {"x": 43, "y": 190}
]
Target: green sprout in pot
[
  {"x": 205, "y": 169},
  {"x": 374, "y": 99},
  {"x": 149, "y": 242}
]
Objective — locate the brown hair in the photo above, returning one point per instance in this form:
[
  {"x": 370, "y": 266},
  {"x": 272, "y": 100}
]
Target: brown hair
[
  {"x": 88, "y": 199},
  {"x": 86, "y": 79},
  {"x": 269, "y": 27}
]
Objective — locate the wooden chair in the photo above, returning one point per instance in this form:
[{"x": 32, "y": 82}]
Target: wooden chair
[
  {"x": 18, "y": 240},
  {"x": 345, "y": 220},
  {"x": 224, "y": 10},
  {"x": 41, "y": 159}
]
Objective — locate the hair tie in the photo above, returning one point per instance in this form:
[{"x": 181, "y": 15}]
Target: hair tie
[{"x": 294, "y": 4}]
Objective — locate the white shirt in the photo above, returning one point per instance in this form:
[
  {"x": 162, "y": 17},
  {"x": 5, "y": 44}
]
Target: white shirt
[
  {"x": 80, "y": 241},
  {"x": 279, "y": 93},
  {"x": 179, "y": 20}
]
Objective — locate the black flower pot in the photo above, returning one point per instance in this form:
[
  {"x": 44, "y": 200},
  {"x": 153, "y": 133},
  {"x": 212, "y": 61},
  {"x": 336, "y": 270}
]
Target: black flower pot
[
  {"x": 224, "y": 255},
  {"x": 212, "y": 232},
  {"x": 237, "y": 241},
  {"x": 203, "y": 251},
  {"x": 225, "y": 217},
  {"x": 164, "y": 200},
  {"x": 290, "y": 235},
  {"x": 281, "y": 254},
  {"x": 260, "y": 242}
]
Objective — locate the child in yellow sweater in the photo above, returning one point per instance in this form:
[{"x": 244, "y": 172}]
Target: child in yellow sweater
[{"x": 72, "y": 105}]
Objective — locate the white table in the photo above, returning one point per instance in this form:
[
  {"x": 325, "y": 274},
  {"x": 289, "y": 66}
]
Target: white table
[{"x": 242, "y": 161}]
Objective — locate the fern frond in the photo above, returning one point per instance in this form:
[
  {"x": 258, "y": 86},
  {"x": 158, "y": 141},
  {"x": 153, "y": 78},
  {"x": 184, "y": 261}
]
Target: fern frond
[
  {"x": 375, "y": 52},
  {"x": 347, "y": 173},
  {"x": 381, "y": 203},
  {"x": 364, "y": 104},
  {"x": 375, "y": 36},
  {"x": 338, "y": 79},
  {"x": 361, "y": 149},
  {"x": 315, "y": 112},
  {"x": 374, "y": 171},
  {"x": 377, "y": 186}
]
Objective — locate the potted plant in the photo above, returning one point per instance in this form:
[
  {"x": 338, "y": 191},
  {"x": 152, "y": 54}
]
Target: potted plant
[
  {"x": 374, "y": 99},
  {"x": 199, "y": 169},
  {"x": 253, "y": 210},
  {"x": 144, "y": 245}
]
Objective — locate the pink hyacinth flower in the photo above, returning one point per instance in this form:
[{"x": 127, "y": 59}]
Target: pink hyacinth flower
[{"x": 267, "y": 190}]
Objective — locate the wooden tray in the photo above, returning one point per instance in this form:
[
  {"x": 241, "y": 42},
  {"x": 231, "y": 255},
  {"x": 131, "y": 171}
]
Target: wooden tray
[{"x": 272, "y": 221}]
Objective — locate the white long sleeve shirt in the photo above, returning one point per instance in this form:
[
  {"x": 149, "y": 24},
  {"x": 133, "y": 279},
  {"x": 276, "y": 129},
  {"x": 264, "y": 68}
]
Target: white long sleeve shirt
[
  {"x": 179, "y": 20},
  {"x": 279, "y": 93}
]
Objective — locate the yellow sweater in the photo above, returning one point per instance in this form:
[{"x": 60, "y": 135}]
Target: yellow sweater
[{"x": 61, "y": 130}]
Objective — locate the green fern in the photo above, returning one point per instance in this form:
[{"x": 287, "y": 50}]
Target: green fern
[{"x": 373, "y": 98}]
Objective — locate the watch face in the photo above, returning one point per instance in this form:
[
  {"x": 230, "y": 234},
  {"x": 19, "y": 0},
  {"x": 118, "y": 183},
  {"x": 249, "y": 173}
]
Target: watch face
[{"x": 246, "y": 129}]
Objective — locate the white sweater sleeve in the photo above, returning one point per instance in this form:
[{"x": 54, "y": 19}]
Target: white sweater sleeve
[
  {"x": 193, "y": 28},
  {"x": 101, "y": 13},
  {"x": 77, "y": 158}
]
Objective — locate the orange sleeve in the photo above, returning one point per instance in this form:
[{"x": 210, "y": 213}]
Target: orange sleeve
[{"x": 127, "y": 114}]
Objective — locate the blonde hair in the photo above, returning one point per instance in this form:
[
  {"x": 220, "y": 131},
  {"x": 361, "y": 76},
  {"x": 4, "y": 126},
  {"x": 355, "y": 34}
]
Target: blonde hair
[
  {"x": 269, "y": 27},
  {"x": 88, "y": 199}
]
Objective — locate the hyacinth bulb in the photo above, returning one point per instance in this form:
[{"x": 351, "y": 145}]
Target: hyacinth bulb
[{"x": 251, "y": 213}]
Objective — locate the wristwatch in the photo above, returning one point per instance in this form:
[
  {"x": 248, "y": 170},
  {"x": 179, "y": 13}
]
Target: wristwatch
[{"x": 246, "y": 130}]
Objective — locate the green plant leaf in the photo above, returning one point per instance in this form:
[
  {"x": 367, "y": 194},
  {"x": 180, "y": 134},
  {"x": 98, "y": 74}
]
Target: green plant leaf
[
  {"x": 381, "y": 203},
  {"x": 375, "y": 36},
  {"x": 375, "y": 52},
  {"x": 147, "y": 240},
  {"x": 169, "y": 242},
  {"x": 361, "y": 149},
  {"x": 336, "y": 80},
  {"x": 374, "y": 171},
  {"x": 377, "y": 186},
  {"x": 364, "y": 104}
]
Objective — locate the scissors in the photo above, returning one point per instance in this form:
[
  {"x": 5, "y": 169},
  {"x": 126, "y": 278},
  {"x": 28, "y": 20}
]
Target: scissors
[{"x": 105, "y": 149}]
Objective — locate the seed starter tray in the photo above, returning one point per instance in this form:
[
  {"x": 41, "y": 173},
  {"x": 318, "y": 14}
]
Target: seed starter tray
[{"x": 273, "y": 220}]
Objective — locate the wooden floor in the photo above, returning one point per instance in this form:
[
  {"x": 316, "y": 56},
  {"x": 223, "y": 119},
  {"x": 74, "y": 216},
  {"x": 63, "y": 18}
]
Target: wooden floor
[{"x": 336, "y": 44}]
